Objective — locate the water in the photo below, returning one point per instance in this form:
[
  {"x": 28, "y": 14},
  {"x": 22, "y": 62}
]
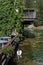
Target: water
[
  {"x": 32, "y": 50},
  {"x": 38, "y": 49}
]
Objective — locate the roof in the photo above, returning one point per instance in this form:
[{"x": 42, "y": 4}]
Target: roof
[
  {"x": 3, "y": 41},
  {"x": 5, "y": 37},
  {"x": 29, "y": 15},
  {"x": 29, "y": 9}
]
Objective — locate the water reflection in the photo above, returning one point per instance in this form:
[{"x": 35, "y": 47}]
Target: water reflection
[
  {"x": 38, "y": 50},
  {"x": 32, "y": 50}
]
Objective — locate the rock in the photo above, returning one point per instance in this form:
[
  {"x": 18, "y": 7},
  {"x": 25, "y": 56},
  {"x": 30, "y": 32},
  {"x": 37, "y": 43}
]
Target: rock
[{"x": 31, "y": 26}]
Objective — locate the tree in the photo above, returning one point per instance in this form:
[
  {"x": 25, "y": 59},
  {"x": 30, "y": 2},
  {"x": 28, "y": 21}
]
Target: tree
[
  {"x": 9, "y": 17},
  {"x": 40, "y": 12}
]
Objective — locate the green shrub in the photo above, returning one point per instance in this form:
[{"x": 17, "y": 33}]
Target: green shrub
[{"x": 8, "y": 51}]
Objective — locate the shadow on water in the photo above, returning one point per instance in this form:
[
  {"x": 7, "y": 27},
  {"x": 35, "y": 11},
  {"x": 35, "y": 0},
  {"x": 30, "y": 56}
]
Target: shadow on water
[{"x": 11, "y": 62}]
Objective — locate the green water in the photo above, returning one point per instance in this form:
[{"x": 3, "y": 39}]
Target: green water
[
  {"x": 32, "y": 50},
  {"x": 38, "y": 48}
]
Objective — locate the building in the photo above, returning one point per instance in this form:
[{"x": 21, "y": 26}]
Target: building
[
  {"x": 5, "y": 38},
  {"x": 3, "y": 43},
  {"x": 29, "y": 16}
]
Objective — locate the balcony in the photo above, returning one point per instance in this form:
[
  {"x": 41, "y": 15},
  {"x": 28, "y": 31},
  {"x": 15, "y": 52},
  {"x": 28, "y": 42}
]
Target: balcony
[{"x": 29, "y": 15}]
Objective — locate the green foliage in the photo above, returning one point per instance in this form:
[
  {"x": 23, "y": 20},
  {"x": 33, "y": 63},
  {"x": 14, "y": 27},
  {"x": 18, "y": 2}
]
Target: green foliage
[
  {"x": 9, "y": 17},
  {"x": 8, "y": 51},
  {"x": 29, "y": 3}
]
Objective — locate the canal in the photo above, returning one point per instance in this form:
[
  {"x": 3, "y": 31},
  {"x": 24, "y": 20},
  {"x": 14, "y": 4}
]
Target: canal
[{"x": 32, "y": 50}]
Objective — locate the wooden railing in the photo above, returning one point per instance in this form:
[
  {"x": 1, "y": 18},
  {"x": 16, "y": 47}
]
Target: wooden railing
[{"x": 2, "y": 59}]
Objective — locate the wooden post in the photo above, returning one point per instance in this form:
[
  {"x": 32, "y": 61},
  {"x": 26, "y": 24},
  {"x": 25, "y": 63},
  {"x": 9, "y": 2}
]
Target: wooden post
[
  {"x": 23, "y": 31},
  {"x": 0, "y": 58}
]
